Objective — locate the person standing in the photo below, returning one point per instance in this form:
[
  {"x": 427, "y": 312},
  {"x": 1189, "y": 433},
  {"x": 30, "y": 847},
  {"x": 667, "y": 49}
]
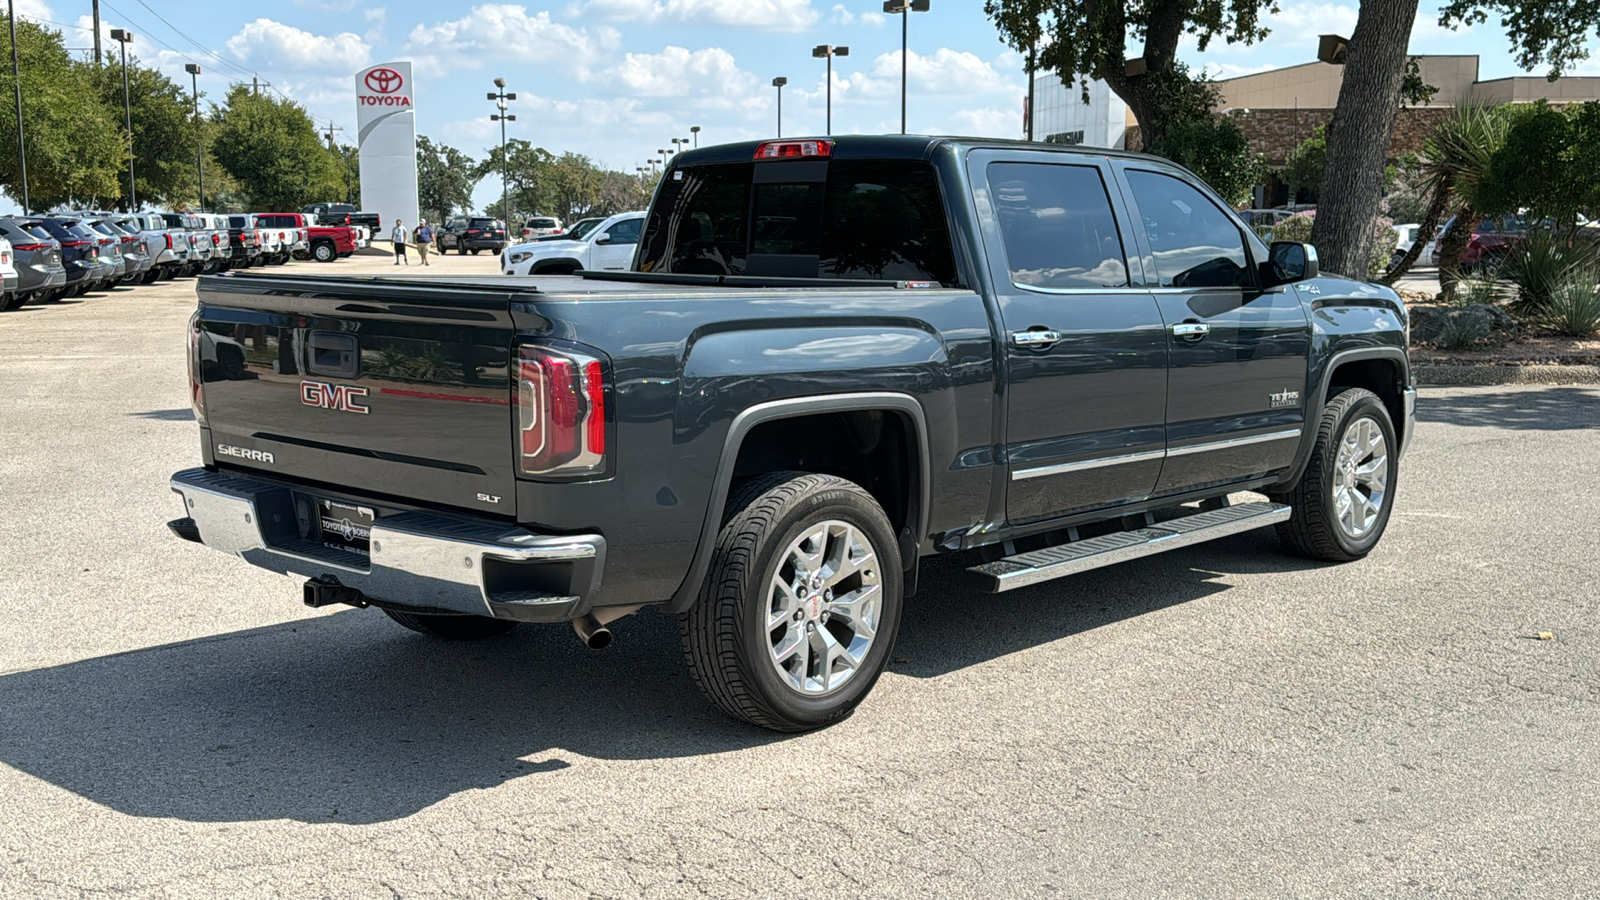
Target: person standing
[
  {"x": 424, "y": 240},
  {"x": 400, "y": 237}
]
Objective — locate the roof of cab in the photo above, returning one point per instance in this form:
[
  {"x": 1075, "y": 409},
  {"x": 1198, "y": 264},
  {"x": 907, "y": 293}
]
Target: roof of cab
[{"x": 886, "y": 146}]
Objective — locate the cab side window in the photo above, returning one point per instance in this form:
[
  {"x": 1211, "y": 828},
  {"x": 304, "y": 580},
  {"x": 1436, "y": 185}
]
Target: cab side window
[
  {"x": 1057, "y": 226},
  {"x": 625, "y": 232},
  {"x": 1195, "y": 244}
]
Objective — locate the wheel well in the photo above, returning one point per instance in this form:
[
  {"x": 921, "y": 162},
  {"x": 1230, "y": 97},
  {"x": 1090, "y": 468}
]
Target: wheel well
[
  {"x": 1383, "y": 377},
  {"x": 873, "y": 448}
]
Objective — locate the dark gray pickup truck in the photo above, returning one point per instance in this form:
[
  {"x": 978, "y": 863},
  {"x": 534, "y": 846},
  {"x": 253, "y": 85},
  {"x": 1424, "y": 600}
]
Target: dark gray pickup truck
[{"x": 832, "y": 359}]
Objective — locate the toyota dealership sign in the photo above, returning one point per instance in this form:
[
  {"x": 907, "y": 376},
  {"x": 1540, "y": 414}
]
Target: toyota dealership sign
[{"x": 386, "y": 126}]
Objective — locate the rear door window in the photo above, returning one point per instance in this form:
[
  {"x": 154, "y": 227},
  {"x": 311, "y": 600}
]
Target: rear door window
[{"x": 1057, "y": 226}]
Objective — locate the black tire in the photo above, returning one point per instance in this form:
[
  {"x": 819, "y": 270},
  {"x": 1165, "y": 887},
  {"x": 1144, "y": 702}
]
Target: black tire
[
  {"x": 302, "y": 254},
  {"x": 324, "y": 252},
  {"x": 725, "y": 638},
  {"x": 474, "y": 251},
  {"x": 1314, "y": 529},
  {"x": 12, "y": 301},
  {"x": 451, "y": 628}
]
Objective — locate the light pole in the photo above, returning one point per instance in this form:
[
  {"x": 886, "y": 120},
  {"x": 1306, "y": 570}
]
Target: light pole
[
  {"x": 199, "y": 136},
  {"x": 828, "y": 52},
  {"x": 16, "y": 80},
  {"x": 694, "y": 130},
  {"x": 500, "y": 97},
  {"x": 905, "y": 8},
  {"x": 677, "y": 144},
  {"x": 125, "y": 37},
  {"x": 779, "y": 83}
]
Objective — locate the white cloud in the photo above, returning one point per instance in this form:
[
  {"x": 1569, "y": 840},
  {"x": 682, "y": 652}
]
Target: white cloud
[
  {"x": 38, "y": 9},
  {"x": 505, "y": 32},
  {"x": 946, "y": 72},
  {"x": 770, "y": 15},
  {"x": 267, "y": 44},
  {"x": 677, "y": 72},
  {"x": 377, "y": 18},
  {"x": 1311, "y": 19}
]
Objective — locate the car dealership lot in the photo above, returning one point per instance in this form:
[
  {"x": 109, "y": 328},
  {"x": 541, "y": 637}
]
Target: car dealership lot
[{"x": 1221, "y": 721}]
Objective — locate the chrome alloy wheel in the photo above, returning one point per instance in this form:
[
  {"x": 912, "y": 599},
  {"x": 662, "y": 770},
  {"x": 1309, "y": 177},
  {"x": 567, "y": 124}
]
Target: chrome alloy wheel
[
  {"x": 823, "y": 607},
  {"x": 1360, "y": 477}
]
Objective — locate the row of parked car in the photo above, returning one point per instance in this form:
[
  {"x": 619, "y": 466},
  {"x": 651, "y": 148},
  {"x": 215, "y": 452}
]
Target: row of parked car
[{"x": 45, "y": 258}]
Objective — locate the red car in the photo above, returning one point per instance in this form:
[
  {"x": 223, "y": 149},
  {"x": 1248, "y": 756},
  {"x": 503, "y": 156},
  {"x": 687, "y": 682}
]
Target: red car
[{"x": 327, "y": 242}]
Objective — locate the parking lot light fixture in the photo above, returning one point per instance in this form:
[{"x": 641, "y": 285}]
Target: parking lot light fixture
[
  {"x": 694, "y": 130},
  {"x": 779, "y": 83},
  {"x": 904, "y": 8},
  {"x": 500, "y": 96},
  {"x": 16, "y": 81},
  {"x": 828, "y": 52},
  {"x": 124, "y": 37},
  {"x": 199, "y": 134}
]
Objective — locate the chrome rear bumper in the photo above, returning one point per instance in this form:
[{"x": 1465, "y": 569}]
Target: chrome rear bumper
[{"x": 418, "y": 560}]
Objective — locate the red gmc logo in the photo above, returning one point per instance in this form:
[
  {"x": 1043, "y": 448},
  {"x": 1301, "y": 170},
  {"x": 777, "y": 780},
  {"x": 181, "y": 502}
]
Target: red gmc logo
[
  {"x": 341, "y": 397},
  {"x": 383, "y": 81}
]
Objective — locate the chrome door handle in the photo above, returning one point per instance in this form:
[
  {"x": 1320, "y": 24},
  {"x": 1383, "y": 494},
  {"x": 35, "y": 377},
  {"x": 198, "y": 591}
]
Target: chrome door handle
[
  {"x": 1191, "y": 330},
  {"x": 1035, "y": 338}
]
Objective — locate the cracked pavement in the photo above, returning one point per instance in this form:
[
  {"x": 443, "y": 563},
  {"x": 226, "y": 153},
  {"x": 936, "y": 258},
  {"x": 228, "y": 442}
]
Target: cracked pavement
[{"x": 1223, "y": 721}]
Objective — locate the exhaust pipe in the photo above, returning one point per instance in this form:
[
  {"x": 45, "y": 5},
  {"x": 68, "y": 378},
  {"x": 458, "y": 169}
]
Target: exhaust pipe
[{"x": 592, "y": 632}]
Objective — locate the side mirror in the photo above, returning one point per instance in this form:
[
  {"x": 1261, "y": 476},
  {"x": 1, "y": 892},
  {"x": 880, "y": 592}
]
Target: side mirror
[
  {"x": 1290, "y": 261},
  {"x": 603, "y": 239}
]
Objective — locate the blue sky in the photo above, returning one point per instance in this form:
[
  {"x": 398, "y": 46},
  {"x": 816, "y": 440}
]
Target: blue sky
[{"x": 617, "y": 79}]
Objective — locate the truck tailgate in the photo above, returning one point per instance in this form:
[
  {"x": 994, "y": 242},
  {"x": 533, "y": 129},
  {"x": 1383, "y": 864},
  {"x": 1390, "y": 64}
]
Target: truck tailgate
[{"x": 381, "y": 387}]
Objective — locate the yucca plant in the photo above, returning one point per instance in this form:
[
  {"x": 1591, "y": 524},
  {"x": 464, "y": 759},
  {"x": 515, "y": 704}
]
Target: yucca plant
[
  {"x": 1541, "y": 264},
  {"x": 1462, "y": 331},
  {"x": 1488, "y": 288},
  {"x": 1573, "y": 308}
]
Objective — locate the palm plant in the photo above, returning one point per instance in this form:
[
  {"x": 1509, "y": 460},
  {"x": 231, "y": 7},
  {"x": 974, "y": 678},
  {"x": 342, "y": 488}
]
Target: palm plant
[{"x": 1455, "y": 161}]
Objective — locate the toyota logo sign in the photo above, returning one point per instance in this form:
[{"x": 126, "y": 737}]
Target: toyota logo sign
[{"x": 384, "y": 81}]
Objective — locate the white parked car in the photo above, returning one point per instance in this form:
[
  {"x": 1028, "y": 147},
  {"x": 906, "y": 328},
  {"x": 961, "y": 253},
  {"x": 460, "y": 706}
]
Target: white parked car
[
  {"x": 9, "y": 277},
  {"x": 540, "y": 226},
  {"x": 607, "y": 248}
]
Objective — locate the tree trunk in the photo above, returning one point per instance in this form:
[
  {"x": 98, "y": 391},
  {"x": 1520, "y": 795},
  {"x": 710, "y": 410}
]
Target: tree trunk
[
  {"x": 1358, "y": 136},
  {"x": 1451, "y": 245},
  {"x": 1429, "y": 224}
]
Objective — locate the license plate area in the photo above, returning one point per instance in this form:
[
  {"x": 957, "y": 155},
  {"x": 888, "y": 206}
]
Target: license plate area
[{"x": 343, "y": 526}]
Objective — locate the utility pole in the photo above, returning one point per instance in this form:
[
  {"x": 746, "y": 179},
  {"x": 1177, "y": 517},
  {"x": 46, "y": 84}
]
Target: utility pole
[
  {"x": 96, "y": 33},
  {"x": 199, "y": 134},
  {"x": 1032, "y": 52},
  {"x": 16, "y": 80}
]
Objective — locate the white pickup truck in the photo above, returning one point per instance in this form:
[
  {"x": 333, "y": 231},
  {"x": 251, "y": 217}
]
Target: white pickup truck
[{"x": 606, "y": 248}]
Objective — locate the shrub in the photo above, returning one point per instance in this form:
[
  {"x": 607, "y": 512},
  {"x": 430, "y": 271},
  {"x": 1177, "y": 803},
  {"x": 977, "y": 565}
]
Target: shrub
[
  {"x": 1462, "y": 330},
  {"x": 1538, "y": 265},
  {"x": 1489, "y": 288},
  {"x": 1573, "y": 308}
]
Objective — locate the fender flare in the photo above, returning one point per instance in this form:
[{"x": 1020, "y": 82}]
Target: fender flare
[
  {"x": 1316, "y": 402},
  {"x": 748, "y": 419}
]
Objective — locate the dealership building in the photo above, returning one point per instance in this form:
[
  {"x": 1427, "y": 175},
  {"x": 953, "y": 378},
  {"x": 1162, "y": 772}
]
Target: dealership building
[{"x": 1279, "y": 109}]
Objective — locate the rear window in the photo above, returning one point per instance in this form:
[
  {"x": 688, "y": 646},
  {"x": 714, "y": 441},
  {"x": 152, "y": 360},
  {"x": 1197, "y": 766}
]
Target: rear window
[
  {"x": 542, "y": 223},
  {"x": 869, "y": 219},
  {"x": 482, "y": 223}
]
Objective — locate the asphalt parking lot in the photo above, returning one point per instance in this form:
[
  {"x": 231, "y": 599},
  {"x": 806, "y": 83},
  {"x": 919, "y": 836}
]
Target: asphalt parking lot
[{"x": 1224, "y": 721}]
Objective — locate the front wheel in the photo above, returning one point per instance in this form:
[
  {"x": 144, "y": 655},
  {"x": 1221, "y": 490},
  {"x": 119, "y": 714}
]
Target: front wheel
[
  {"x": 799, "y": 613},
  {"x": 451, "y": 628},
  {"x": 1343, "y": 499}
]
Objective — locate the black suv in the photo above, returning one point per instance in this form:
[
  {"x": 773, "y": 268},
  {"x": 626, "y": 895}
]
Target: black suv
[{"x": 478, "y": 234}]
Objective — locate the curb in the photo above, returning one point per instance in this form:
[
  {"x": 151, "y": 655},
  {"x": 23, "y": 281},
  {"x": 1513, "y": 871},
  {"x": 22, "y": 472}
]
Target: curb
[{"x": 1536, "y": 374}]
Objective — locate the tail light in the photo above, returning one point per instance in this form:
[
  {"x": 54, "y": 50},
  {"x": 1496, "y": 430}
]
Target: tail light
[
  {"x": 216, "y": 239},
  {"x": 795, "y": 150},
  {"x": 169, "y": 241},
  {"x": 561, "y": 413},
  {"x": 32, "y": 247},
  {"x": 74, "y": 243},
  {"x": 196, "y": 392}
]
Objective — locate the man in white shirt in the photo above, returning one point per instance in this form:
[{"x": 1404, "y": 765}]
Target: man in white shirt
[{"x": 400, "y": 236}]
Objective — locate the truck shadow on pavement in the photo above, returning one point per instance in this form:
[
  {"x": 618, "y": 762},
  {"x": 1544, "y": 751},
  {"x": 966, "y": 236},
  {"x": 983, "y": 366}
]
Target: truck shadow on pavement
[
  {"x": 347, "y": 718},
  {"x": 1545, "y": 409}
]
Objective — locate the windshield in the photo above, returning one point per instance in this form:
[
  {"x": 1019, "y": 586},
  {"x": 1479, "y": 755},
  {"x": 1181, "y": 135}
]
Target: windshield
[{"x": 868, "y": 219}]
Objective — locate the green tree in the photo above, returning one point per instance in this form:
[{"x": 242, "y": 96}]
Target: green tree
[
  {"x": 1214, "y": 148},
  {"x": 527, "y": 175},
  {"x": 74, "y": 143},
  {"x": 574, "y": 186},
  {"x": 1083, "y": 39},
  {"x": 445, "y": 179},
  {"x": 1546, "y": 164},
  {"x": 1302, "y": 169},
  {"x": 164, "y": 131},
  {"x": 272, "y": 149}
]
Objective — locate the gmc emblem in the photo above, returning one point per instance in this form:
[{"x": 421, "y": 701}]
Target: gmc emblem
[{"x": 333, "y": 396}]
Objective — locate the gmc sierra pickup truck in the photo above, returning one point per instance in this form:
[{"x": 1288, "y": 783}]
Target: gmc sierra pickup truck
[{"x": 832, "y": 358}]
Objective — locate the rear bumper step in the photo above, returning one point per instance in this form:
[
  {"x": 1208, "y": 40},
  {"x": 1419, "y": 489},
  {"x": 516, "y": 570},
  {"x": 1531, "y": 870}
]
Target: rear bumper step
[
  {"x": 1050, "y": 563},
  {"x": 416, "y": 560}
]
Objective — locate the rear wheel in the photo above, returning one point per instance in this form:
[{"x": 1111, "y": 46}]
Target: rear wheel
[
  {"x": 451, "y": 628},
  {"x": 1343, "y": 499},
  {"x": 799, "y": 612},
  {"x": 323, "y": 251}
]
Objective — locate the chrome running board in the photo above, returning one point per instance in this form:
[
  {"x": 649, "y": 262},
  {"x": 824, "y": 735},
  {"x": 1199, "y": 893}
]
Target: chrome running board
[{"x": 1091, "y": 553}]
